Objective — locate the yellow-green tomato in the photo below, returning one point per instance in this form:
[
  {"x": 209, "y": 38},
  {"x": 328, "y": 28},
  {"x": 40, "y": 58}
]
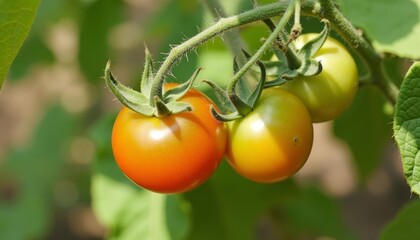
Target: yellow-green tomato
[
  {"x": 273, "y": 141},
  {"x": 331, "y": 92}
]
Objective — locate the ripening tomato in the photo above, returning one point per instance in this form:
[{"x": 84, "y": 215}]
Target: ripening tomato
[
  {"x": 171, "y": 154},
  {"x": 331, "y": 92},
  {"x": 273, "y": 141}
]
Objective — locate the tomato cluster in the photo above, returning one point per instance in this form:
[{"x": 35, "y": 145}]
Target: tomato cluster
[{"x": 178, "y": 152}]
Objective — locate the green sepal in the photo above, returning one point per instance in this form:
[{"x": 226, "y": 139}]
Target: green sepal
[
  {"x": 222, "y": 97},
  {"x": 180, "y": 90},
  {"x": 242, "y": 86},
  {"x": 242, "y": 96},
  {"x": 253, "y": 98},
  {"x": 241, "y": 107},
  {"x": 161, "y": 109},
  {"x": 148, "y": 74},
  {"x": 127, "y": 96},
  {"x": 276, "y": 82},
  {"x": 224, "y": 117},
  {"x": 312, "y": 47},
  {"x": 178, "y": 107},
  {"x": 239, "y": 99},
  {"x": 285, "y": 69},
  {"x": 310, "y": 67},
  {"x": 144, "y": 101}
]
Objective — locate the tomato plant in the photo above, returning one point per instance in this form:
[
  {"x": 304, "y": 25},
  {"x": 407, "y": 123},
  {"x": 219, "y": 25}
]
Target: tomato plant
[
  {"x": 273, "y": 141},
  {"x": 66, "y": 173},
  {"x": 331, "y": 92},
  {"x": 172, "y": 154}
]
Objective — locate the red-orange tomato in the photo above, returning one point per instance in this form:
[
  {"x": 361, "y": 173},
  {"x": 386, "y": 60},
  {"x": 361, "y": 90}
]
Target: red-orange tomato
[{"x": 171, "y": 154}]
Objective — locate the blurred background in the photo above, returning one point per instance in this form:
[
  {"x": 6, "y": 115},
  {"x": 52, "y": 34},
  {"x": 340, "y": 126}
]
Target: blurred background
[{"x": 55, "y": 97}]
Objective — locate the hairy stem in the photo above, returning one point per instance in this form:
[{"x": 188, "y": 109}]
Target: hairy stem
[
  {"x": 316, "y": 8},
  {"x": 267, "y": 43},
  {"x": 372, "y": 58},
  {"x": 232, "y": 37},
  {"x": 224, "y": 24}
]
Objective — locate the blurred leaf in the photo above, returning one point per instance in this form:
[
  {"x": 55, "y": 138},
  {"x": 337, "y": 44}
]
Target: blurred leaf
[
  {"x": 232, "y": 205},
  {"x": 98, "y": 18},
  {"x": 399, "y": 29},
  {"x": 16, "y": 18},
  {"x": 50, "y": 12},
  {"x": 394, "y": 67},
  {"x": 33, "y": 51},
  {"x": 176, "y": 22},
  {"x": 30, "y": 174},
  {"x": 128, "y": 211},
  {"x": 405, "y": 226},
  {"x": 217, "y": 67},
  {"x": 406, "y": 125},
  {"x": 315, "y": 213},
  {"x": 369, "y": 131}
]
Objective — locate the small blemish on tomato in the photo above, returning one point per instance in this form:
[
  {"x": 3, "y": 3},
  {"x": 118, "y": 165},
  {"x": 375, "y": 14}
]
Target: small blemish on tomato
[{"x": 296, "y": 140}]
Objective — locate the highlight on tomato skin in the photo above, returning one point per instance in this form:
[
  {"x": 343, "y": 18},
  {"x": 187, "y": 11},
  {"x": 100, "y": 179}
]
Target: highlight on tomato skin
[
  {"x": 272, "y": 142},
  {"x": 172, "y": 154},
  {"x": 331, "y": 92}
]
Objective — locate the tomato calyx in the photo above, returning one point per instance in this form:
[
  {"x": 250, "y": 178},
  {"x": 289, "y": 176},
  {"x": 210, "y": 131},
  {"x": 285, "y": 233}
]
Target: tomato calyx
[
  {"x": 152, "y": 99},
  {"x": 240, "y": 96},
  {"x": 292, "y": 62}
]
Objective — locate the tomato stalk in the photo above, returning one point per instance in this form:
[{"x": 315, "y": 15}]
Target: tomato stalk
[
  {"x": 244, "y": 100},
  {"x": 266, "y": 45},
  {"x": 222, "y": 25}
]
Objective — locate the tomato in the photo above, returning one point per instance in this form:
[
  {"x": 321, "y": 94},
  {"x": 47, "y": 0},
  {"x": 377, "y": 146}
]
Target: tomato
[
  {"x": 273, "y": 141},
  {"x": 171, "y": 154},
  {"x": 331, "y": 92}
]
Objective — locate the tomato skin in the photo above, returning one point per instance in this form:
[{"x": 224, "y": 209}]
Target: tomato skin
[
  {"x": 172, "y": 154},
  {"x": 331, "y": 92},
  {"x": 273, "y": 141}
]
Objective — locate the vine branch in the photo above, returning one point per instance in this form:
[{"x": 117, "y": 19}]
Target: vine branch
[
  {"x": 316, "y": 8},
  {"x": 224, "y": 24}
]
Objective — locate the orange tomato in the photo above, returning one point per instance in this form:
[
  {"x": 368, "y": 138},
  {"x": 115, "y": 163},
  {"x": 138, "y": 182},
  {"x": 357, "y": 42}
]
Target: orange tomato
[{"x": 171, "y": 154}]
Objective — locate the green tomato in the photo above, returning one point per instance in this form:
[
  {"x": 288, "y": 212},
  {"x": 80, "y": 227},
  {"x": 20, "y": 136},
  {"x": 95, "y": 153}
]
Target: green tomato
[
  {"x": 272, "y": 142},
  {"x": 331, "y": 92}
]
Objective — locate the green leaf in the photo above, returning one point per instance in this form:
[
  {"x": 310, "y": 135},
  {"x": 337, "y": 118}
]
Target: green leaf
[
  {"x": 232, "y": 205},
  {"x": 406, "y": 126},
  {"x": 217, "y": 67},
  {"x": 177, "y": 21},
  {"x": 312, "y": 47},
  {"x": 370, "y": 129},
  {"x": 397, "y": 32},
  {"x": 405, "y": 226},
  {"x": 32, "y": 173},
  {"x": 128, "y": 211},
  {"x": 16, "y": 18},
  {"x": 314, "y": 213},
  {"x": 34, "y": 51},
  {"x": 98, "y": 18}
]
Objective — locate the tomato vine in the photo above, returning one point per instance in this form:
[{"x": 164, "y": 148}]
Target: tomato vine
[{"x": 242, "y": 97}]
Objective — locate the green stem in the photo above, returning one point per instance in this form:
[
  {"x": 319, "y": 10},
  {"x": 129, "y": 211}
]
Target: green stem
[
  {"x": 233, "y": 38},
  {"x": 372, "y": 58},
  {"x": 222, "y": 25},
  {"x": 267, "y": 43},
  {"x": 297, "y": 27},
  {"x": 320, "y": 9}
]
